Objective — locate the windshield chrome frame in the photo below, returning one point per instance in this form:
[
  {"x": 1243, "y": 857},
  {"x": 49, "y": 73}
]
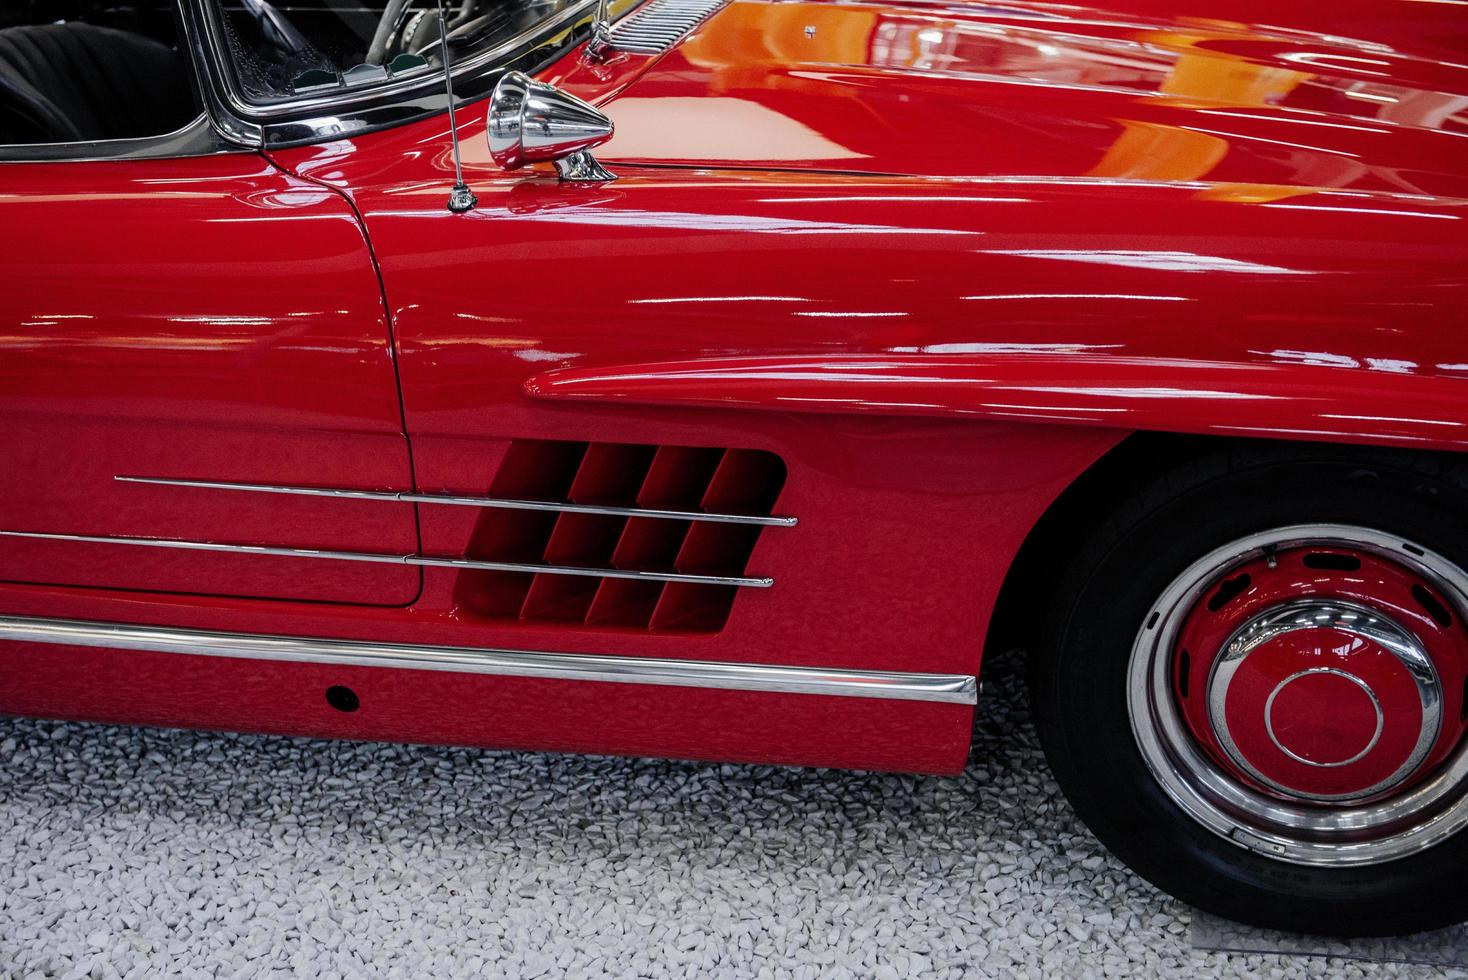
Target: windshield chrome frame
[{"x": 317, "y": 117}]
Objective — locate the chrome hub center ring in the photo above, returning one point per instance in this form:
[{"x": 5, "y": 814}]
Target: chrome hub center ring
[{"x": 1380, "y": 719}]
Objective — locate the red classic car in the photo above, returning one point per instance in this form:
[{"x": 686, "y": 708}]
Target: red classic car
[{"x": 720, "y": 378}]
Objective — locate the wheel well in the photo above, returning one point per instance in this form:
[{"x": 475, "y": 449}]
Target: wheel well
[
  {"x": 1033, "y": 575},
  {"x": 1120, "y": 475}
]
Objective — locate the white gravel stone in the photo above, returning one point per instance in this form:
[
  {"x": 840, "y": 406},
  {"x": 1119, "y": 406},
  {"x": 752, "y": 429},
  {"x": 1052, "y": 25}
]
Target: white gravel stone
[{"x": 144, "y": 853}]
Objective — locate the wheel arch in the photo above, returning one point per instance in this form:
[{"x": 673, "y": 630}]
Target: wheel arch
[{"x": 1102, "y": 491}]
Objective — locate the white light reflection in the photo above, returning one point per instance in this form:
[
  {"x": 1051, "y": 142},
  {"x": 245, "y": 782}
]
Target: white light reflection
[
  {"x": 896, "y": 197},
  {"x": 1000, "y": 348},
  {"x": 1293, "y": 118},
  {"x": 1327, "y": 61},
  {"x": 1261, "y": 139},
  {"x": 713, "y": 128},
  {"x": 855, "y": 313},
  {"x": 1159, "y": 299},
  {"x": 1309, "y": 432},
  {"x": 1165, "y": 261},
  {"x": 1148, "y": 392},
  {"x": 1392, "y": 418},
  {"x": 1388, "y": 365},
  {"x": 1391, "y": 365},
  {"x": 1404, "y": 214},
  {"x": 724, "y": 299},
  {"x": 533, "y": 355},
  {"x": 1053, "y": 408},
  {"x": 225, "y": 321},
  {"x": 860, "y": 401},
  {"x": 690, "y": 221},
  {"x": 1310, "y": 357}
]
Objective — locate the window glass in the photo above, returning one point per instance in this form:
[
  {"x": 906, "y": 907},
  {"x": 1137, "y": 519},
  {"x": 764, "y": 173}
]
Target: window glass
[
  {"x": 74, "y": 71},
  {"x": 320, "y": 47}
]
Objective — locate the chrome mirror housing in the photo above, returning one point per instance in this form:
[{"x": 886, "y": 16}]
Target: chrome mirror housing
[{"x": 531, "y": 122}]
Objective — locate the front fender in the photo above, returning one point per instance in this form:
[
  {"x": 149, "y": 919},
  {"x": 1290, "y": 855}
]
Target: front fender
[{"x": 1276, "y": 400}]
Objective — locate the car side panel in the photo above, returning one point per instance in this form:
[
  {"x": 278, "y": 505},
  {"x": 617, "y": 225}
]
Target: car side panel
[{"x": 207, "y": 318}]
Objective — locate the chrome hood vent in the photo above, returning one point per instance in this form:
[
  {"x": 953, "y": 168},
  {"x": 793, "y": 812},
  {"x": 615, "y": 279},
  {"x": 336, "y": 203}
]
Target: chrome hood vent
[{"x": 659, "y": 24}]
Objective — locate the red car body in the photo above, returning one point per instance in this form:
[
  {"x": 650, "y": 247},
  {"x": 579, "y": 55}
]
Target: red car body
[{"x": 940, "y": 260}]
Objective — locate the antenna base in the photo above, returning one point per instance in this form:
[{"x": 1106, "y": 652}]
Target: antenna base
[
  {"x": 600, "y": 44},
  {"x": 461, "y": 199}
]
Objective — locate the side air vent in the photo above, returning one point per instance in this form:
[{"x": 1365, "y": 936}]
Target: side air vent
[
  {"x": 620, "y": 476},
  {"x": 659, "y": 24}
]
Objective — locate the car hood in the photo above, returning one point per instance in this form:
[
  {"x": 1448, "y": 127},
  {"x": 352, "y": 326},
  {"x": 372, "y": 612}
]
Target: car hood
[{"x": 1049, "y": 90}]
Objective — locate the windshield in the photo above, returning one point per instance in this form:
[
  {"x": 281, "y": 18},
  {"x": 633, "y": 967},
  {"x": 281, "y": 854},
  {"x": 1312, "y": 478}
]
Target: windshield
[{"x": 317, "y": 47}]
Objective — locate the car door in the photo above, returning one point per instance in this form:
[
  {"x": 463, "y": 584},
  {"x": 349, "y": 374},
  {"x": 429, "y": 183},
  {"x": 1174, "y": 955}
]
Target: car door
[{"x": 183, "y": 312}]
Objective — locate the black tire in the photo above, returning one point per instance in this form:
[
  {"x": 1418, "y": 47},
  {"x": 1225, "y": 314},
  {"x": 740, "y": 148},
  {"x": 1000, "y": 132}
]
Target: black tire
[{"x": 1079, "y": 676}]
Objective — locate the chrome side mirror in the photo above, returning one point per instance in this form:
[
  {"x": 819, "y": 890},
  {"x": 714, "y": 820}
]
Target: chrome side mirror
[{"x": 531, "y": 122}]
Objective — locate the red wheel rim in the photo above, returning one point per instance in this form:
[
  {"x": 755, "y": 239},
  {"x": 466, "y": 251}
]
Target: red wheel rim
[
  {"x": 1302, "y": 692},
  {"x": 1327, "y": 673}
]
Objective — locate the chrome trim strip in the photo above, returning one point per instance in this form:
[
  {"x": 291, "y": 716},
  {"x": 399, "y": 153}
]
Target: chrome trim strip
[
  {"x": 503, "y": 503},
  {"x": 194, "y": 138},
  {"x": 335, "y": 102},
  {"x": 763, "y": 678},
  {"x": 428, "y": 561}
]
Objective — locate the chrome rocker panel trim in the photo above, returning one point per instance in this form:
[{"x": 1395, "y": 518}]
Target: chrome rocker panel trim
[
  {"x": 502, "y": 503},
  {"x": 763, "y": 678},
  {"x": 428, "y": 561}
]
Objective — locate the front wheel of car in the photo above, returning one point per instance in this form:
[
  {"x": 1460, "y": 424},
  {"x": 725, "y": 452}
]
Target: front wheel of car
[{"x": 1252, "y": 686}]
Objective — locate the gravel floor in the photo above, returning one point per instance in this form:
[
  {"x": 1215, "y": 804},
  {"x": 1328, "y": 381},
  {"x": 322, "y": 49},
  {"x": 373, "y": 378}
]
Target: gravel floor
[{"x": 139, "y": 853}]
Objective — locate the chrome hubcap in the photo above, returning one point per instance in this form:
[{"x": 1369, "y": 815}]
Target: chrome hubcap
[
  {"x": 1301, "y": 693},
  {"x": 1314, "y": 685}
]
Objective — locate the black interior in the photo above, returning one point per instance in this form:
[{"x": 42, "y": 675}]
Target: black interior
[
  {"x": 78, "y": 71},
  {"x": 282, "y": 50}
]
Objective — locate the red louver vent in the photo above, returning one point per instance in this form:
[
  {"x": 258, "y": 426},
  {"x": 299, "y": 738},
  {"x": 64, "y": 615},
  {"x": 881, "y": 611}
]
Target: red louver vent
[{"x": 742, "y": 483}]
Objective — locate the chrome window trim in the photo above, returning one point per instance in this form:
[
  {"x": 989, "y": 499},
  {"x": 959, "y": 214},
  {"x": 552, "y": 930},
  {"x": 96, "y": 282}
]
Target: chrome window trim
[
  {"x": 316, "y": 118},
  {"x": 197, "y": 137},
  {"x": 426, "y": 561},
  {"x": 238, "y": 124},
  {"x": 461, "y": 500},
  {"x": 709, "y": 674}
]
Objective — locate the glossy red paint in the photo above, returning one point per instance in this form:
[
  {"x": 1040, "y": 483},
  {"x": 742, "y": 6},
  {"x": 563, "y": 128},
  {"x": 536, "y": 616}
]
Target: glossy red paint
[
  {"x": 960, "y": 270},
  {"x": 1094, "y": 221},
  {"x": 1178, "y": 395},
  {"x": 230, "y": 325},
  {"x": 949, "y": 90},
  {"x": 1320, "y": 716}
]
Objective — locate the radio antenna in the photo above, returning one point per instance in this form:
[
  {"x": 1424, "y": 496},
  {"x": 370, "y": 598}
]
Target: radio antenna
[
  {"x": 601, "y": 34},
  {"x": 461, "y": 198}
]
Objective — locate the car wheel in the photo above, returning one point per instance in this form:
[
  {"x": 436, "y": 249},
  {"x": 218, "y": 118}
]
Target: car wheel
[{"x": 1251, "y": 687}]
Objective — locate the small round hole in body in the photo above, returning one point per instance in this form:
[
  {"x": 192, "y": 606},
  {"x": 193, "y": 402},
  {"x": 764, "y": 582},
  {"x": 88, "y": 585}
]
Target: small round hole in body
[{"x": 342, "y": 698}]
